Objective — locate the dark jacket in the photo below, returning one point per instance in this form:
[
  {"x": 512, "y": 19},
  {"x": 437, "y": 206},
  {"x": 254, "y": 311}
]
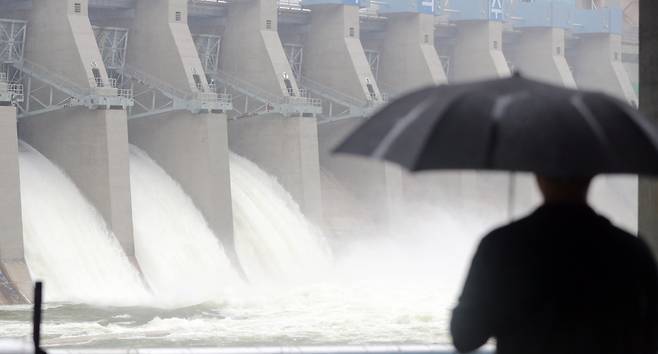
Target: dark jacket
[{"x": 562, "y": 280}]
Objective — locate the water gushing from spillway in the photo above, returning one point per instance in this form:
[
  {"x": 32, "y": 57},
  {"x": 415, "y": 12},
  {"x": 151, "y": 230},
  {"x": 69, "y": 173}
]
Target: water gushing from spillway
[
  {"x": 273, "y": 239},
  {"x": 379, "y": 286},
  {"x": 67, "y": 243},
  {"x": 181, "y": 258}
]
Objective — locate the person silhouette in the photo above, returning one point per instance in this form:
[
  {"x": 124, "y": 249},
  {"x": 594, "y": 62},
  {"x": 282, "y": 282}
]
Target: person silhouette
[{"x": 561, "y": 280}]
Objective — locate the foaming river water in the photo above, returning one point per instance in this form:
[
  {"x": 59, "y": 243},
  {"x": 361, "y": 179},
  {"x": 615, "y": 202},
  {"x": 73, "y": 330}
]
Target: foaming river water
[{"x": 303, "y": 316}]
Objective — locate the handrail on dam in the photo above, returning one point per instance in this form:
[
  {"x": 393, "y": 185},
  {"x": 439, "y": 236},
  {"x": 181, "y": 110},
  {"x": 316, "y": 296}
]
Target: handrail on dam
[
  {"x": 194, "y": 102},
  {"x": 365, "y": 349},
  {"x": 285, "y": 105},
  {"x": 10, "y": 92}
]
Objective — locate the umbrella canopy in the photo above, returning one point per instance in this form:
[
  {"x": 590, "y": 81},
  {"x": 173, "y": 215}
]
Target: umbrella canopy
[{"x": 511, "y": 124}]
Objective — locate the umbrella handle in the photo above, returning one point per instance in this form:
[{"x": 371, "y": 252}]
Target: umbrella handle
[
  {"x": 36, "y": 317},
  {"x": 511, "y": 196}
]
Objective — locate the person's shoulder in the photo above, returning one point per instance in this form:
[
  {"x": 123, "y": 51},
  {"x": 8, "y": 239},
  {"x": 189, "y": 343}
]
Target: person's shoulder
[
  {"x": 510, "y": 231},
  {"x": 628, "y": 240}
]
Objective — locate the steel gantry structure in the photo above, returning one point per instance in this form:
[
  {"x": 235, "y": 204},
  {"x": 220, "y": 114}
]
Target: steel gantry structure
[{"x": 46, "y": 91}]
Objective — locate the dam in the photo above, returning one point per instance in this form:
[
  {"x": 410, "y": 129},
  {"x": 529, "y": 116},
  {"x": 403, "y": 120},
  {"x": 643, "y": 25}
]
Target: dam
[{"x": 172, "y": 153}]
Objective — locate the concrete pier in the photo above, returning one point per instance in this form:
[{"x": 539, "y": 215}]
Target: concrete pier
[
  {"x": 598, "y": 66},
  {"x": 192, "y": 148},
  {"x": 478, "y": 51},
  {"x": 91, "y": 146},
  {"x": 378, "y": 187},
  {"x": 409, "y": 59},
  {"x": 540, "y": 55},
  {"x": 286, "y": 147},
  {"x": 252, "y": 49},
  {"x": 333, "y": 55},
  {"x": 160, "y": 31},
  {"x": 12, "y": 258},
  {"x": 61, "y": 40}
]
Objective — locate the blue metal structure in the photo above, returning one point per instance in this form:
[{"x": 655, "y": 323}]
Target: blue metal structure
[
  {"x": 359, "y": 3},
  {"x": 543, "y": 13},
  {"x": 408, "y": 6},
  {"x": 565, "y": 14},
  {"x": 477, "y": 10},
  {"x": 602, "y": 20},
  {"x": 530, "y": 14}
]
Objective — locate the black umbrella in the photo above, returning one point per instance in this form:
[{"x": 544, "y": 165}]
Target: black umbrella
[{"x": 511, "y": 124}]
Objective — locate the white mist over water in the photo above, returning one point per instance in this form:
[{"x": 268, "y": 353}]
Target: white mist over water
[
  {"x": 274, "y": 241},
  {"x": 67, "y": 243},
  {"x": 180, "y": 257}
]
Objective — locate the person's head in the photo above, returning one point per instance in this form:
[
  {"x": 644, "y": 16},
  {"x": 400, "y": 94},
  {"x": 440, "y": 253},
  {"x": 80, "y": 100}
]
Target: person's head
[{"x": 564, "y": 189}]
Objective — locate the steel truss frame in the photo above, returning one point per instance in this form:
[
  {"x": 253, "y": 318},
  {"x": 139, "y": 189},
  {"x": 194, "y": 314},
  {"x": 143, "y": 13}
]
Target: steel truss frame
[
  {"x": 153, "y": 96},
  {"x": 373, "y": 60},
  {"x": 46, "y": 91},
  {"x": 208, "y": 46},
  {"x": 12, "y": 43},
  {"x": 254, "y": 100},
  {"x": 12, "y": 40},
  {"x": 295, "y": 54},
  {"x": 113, "y": 44}
]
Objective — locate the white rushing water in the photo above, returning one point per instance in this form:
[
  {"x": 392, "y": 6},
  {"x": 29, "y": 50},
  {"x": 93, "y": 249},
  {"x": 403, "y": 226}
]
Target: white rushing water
[
  {"x": 67, "y": 243},
  {"x": 392, "y": 284},
  {"x": 181, "y": 258},
  {"x": 274, "y": 241}
]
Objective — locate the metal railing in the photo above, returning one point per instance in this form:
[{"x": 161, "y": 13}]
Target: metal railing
[
  {"x": 405, "y": 349},
  {"x": 16, "y": 93},
  {"x": 26, "y": 347},
  {"x": 302, "y": 96},
  {"x": 365, "y": 349}
]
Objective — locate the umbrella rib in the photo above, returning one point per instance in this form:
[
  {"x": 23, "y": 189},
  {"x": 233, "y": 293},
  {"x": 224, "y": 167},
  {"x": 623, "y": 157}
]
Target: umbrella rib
[
  {"x": 399, "y": 127},
  {"x": 646, "y": 127},
  {"x": 500, "y": 106}
]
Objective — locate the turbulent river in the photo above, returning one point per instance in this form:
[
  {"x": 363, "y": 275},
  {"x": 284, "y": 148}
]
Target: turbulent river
[{"x": 391, "y": 285}]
